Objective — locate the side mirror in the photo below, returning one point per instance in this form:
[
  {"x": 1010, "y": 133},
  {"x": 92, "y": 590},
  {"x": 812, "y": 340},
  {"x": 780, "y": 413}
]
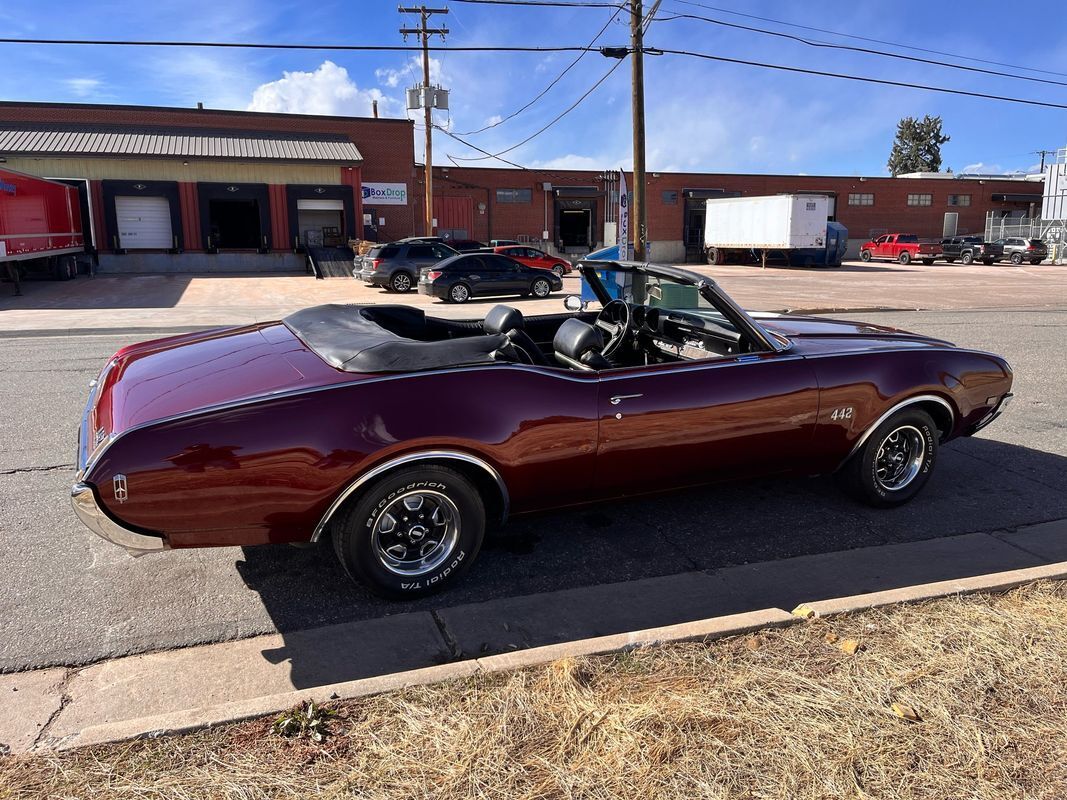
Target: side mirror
[{"x": 573, "y": 302}]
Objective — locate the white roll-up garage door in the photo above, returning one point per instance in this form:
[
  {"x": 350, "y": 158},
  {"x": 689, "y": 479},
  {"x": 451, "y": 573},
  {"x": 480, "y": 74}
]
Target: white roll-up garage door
[
  {"x": 320, "y": 205},
  {"x": 144, "y": 223}
]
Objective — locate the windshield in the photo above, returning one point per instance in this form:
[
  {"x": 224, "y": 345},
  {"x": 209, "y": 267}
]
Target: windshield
[{"x": 657, "y": 291}]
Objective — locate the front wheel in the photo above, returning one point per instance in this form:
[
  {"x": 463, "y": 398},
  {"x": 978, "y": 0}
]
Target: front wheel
[
  {"x": 1035, "y": 261},
  {"x": 460, "y": 293},
  {"x": 541, "y": 288},
  {"x": 895, "y": 462},
  {"x": 865, "y": 255},
  {"x": 411, "y": 533},
  {"x": 988, "y": 261}
]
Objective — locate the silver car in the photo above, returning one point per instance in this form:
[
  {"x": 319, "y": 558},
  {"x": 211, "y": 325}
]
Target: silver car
[
  {"x": 1017, "y": 249},
  {"x": 395, "y": 266}
]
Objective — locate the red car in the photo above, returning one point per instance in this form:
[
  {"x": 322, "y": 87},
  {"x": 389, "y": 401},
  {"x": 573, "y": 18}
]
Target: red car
[
  {"x": 402, "y": 436},
  {"x": 901, "y": 247},
  {"x": 532, "y": 257}
]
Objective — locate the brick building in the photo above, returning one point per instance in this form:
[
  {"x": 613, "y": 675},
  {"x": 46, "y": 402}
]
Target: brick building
[{"x": 178, "y": 189}]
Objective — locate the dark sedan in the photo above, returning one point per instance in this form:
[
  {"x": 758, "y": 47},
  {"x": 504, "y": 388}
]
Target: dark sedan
[{"x": 458, "y": 279}]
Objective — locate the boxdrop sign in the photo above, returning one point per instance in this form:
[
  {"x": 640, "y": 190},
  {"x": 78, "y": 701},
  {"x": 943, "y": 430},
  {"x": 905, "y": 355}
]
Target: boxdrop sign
[{"x": 385, "y": 194}]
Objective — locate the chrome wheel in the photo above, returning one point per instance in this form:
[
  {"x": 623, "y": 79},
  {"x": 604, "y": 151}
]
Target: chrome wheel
[
  {"x": 899, "y": 458},
  {"x": 416, "y": 532}
]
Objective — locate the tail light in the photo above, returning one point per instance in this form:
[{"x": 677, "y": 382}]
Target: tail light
[
  {"x": 1030, "y": 247},
  {"x": 374, "y": 264},
  {"x": 433, "y": 274}
]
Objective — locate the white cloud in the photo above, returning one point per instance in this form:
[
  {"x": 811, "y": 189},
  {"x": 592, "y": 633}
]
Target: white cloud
[
  {"x": 410, "y": 73},
  {"x": 982, "y": 167},
  {"x": 327, "y": 90},
  {"x": 494, "y": 120},
  {"x": 574, "y": 161},
  {"x": 82, "y": 87}
]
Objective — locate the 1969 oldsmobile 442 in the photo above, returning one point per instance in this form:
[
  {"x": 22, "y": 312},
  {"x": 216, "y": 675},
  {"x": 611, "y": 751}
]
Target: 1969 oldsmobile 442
[{"x": 402, "y": 436}]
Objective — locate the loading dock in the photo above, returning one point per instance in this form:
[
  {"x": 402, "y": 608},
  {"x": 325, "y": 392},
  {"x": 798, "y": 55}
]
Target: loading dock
[
  {"x": 575, "y": 213},
  {"x": 234, "y": 216}
]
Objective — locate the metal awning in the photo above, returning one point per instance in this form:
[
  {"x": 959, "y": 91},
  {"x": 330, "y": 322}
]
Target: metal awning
[
  {"x": 1016, "y": 198},
  {"x": 231, "y": 145}
]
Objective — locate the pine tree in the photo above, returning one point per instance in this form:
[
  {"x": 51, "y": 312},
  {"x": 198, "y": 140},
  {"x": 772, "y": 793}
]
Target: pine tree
[{"x": 917, "y": 147}]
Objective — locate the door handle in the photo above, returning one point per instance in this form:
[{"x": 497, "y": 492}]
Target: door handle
[{"x": 620, "y": 397}]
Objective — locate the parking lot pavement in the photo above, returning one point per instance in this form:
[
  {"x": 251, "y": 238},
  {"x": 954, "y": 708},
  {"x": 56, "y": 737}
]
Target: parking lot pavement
[
  {"x": 153, "y": 302},
  {"x": 70, "y": 598}
]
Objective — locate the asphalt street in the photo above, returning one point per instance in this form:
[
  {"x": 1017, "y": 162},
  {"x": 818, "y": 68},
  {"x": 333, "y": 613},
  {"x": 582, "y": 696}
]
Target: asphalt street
[{"x": 69, "y": 598}]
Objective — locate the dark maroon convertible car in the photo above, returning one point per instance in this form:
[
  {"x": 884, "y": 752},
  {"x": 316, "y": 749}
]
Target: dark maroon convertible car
[{"x": 402, "y": 436}]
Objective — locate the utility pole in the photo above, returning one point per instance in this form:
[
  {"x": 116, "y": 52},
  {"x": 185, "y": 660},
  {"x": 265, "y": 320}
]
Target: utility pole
[
  {"x": 637, "y": 76},
  {"x": 427, "y": 93},
  {"x": 1044, "y": 153}
]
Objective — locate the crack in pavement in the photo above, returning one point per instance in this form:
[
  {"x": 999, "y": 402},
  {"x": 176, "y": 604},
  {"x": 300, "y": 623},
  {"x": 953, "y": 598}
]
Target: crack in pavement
[
  {"x": 52, "y": 468},
  {"x": 446, "y": 634},
  {"x": 64, "y": 701}
]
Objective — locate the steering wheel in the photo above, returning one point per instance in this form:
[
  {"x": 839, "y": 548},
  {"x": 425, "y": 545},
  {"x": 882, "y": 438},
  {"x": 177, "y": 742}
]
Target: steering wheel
[{"x": 614, "y": 320}]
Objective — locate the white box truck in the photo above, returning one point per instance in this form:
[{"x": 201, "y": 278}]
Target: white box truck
[{"x": 792, "y": 227}]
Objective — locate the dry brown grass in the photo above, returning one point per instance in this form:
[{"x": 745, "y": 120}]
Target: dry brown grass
[{"x": 785, "y": 714}]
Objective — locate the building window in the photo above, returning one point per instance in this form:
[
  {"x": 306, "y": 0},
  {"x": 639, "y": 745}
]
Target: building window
[
  {"x": 514, "y": 195},
  {"x": 959, "y": 199},
  {"x": 920, "y": 199},
  {"x": 670, "y": 198},
  {"x": 861, "y": 199}
]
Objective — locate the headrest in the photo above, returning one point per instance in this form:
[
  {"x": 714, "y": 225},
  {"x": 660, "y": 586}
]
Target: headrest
[
  {"x": 503, "y": 319},
  {"x": 575, "y": 338}
]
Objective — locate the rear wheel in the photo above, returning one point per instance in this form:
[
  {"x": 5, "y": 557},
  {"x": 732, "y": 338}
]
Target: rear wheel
[
  {"x": 412, "y": 532},
  {"x": 967, "y": 258},
  {"x": 460, "y": 293},
  {"x": 558, "y": 269},
  {"x": 950, "y": 261},
  {"x": 400, "y": 282},
  {"x": 541, "y": 288},
  {"x": 865, "y": 255},
  {"x": 1035, "y": 261},
  {"x": 1016, "y": 258},
  {"x": 904, "y": 257},
  {"x": 895, "y": 462}
]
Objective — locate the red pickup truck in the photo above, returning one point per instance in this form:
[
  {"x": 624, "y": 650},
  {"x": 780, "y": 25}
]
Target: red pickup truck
[{"x": 902, "y": 247}]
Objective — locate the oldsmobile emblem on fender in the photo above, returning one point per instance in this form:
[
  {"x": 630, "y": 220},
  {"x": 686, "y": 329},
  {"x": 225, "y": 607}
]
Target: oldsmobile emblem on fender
[{"x": 119, "y": 485}]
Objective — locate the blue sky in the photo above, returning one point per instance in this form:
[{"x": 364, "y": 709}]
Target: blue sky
[{"x": 701, "y": 116}]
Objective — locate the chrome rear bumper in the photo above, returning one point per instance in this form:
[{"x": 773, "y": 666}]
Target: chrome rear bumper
[{"x": 83, "y": 498}]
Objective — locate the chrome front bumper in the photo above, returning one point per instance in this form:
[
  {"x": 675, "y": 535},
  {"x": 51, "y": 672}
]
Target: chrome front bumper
[{"x": 83, "y": 498}]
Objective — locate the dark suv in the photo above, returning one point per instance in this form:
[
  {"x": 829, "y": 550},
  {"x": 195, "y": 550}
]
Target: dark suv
[
  {"x": 469, "y": 275},
  {"x": 969, "y": 249},
  {"x": 1018, "y": 249},
  {"x": 396, "y": 266}
]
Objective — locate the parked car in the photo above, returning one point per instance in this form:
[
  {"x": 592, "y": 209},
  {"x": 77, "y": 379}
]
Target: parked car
[
  {"x": 969, "y": 249},
  {"x": 1017, "y": 249},
  {"x": 901, "y": 247},
  {"x": 396, "y": 266},
  {"x": 501, "y": 242},
  {"x": 468, "y": 275},
  {"x": 532, "y": 257},
  {"x": 401, "y": 436}
]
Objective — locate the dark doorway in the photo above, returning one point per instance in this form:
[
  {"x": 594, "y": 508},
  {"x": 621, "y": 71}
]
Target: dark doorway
[
  {"x": 574, "y": 227},
  {"x": 695, "y": 215},
  {"x": 234, "y": 224}
]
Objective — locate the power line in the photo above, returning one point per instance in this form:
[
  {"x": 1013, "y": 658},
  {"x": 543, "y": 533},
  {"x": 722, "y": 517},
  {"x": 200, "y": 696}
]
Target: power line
[
  {"x": 548, "y": 88},
  {"x": 540, "y": 3},
  {"x": 867, "y": 38},
  {"x": 864, "y": 79},
  {"x": 534, "y": 135},
  {"x": 866, "y": 50},
  {"x": 286, "y": 46}
]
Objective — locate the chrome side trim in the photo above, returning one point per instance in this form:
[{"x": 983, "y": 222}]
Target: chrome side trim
[
  {"x": 411, "y": 458},
  {"x": 83, "y": 498},
  {"x": 921, "y": 398}
]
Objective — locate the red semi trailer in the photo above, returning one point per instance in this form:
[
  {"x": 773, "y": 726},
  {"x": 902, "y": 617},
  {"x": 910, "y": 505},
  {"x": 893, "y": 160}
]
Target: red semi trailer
[{"x": 40, "y": 227}]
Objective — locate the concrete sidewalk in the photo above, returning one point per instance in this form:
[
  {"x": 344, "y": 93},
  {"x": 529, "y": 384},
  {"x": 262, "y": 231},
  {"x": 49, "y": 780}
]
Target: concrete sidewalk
[
  {"x": 153, "y": 304},
  {"x": 51, "y": 707}
]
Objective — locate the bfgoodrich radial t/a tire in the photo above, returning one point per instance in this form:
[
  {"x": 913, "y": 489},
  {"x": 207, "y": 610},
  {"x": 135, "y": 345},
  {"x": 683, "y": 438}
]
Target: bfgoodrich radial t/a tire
[
  {"x": 412, "y": 532},
  {"x": 895, "y": 461}
]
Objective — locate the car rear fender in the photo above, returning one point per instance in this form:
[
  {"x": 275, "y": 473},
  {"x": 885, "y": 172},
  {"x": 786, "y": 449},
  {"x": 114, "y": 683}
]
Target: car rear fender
[{"x": 483, "y": 474}]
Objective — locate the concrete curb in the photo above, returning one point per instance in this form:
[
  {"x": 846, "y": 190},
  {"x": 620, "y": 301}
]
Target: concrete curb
[{"x": 196, "y": 719}]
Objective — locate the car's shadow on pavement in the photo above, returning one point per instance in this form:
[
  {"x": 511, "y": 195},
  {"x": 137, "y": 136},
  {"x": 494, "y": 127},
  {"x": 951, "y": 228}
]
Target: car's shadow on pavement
[{"x": 980, "y": 485}]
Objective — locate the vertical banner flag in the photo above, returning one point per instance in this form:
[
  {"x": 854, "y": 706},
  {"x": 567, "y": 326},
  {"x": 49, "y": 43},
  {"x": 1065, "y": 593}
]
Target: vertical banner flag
[{"x": 624, "y": 219}]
